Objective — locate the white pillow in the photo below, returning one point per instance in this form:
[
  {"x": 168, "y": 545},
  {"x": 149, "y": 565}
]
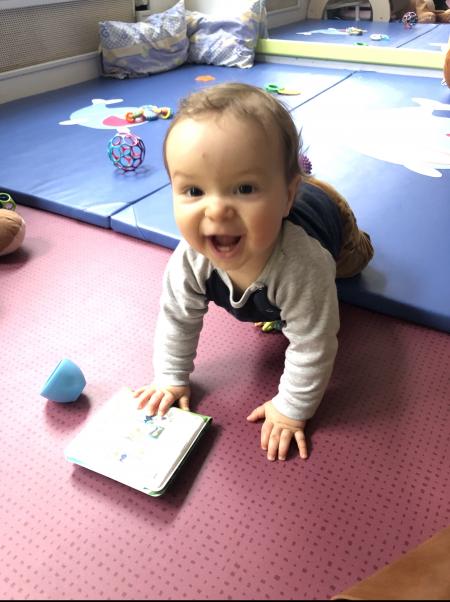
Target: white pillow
[
  {"x": 159, "y": 43},
  {"x": 226, "y": 40}
]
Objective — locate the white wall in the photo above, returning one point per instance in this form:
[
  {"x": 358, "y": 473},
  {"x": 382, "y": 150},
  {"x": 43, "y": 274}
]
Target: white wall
[
  {"x": 275, "y": 17},
  {"x": 204, "y": 6}
]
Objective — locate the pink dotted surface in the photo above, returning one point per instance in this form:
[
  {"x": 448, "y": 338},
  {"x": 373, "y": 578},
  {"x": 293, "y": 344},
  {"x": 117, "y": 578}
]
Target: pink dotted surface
[{"x": 232, "y": 525}]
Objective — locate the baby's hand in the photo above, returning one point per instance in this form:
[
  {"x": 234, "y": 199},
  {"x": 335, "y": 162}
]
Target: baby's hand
[
  {"x": 278, "y": 431},
  {"x": 159, "y": 399}
]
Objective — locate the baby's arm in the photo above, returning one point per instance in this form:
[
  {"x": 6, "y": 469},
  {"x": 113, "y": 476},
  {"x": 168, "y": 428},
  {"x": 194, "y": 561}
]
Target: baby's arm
[
  {"x": 309, "y": 309},
  {"x": 180, "y": 319}
]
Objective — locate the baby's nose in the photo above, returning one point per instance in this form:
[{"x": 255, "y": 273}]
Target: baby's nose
[{"x": 219, "y": 208}]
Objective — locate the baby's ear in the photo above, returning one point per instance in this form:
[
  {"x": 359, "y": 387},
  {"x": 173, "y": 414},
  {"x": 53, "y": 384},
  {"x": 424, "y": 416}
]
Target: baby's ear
[{"x": 293, "y": 188}]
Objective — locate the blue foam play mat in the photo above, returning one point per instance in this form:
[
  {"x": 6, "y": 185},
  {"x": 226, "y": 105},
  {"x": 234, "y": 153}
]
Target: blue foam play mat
[
  {"x": 334, "y": 31},
  {"x": 150, "y": 219},
  {"x": 384, "y": 141},
  {"x": 436, "y": 39},
  {"x": 391, "y": 158},
  {"x": 59, "y": 140}
]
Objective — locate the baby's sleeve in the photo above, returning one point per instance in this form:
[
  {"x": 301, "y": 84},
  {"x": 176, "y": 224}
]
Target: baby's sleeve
[
  {"x": 183, "y": 305},
  {"x": 309, "y": 309}
]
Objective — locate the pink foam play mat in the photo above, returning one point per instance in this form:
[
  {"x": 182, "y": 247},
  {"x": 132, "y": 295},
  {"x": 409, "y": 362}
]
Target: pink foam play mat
[{"x": 232, "y": 525}]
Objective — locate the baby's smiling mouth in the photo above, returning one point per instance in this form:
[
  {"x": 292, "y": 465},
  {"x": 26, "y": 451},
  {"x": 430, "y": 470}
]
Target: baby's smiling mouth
[{"x": 224, "y": 243}]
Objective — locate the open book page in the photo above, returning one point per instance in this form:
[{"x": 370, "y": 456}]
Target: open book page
[{"x": 125, "y": 444}]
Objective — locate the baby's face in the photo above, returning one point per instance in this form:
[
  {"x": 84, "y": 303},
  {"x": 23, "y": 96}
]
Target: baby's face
[{"x": 229, "y": 191}]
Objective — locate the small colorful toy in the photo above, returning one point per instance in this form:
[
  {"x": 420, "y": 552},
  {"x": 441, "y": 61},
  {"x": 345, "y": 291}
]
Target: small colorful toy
[
  {"x": 163, "y": 112},
  {"x": 65, "y": 383},
  {"x": 378, "y": 36},
  {"x": 126, "y": 151},
  {"x": 276, "y": 89},
  {"x": 148, "y": 113},
  {"x": 274, "y": 326},
  {"x": 409, "y": 19},
  {"x": 355, "y": 31},
  {"x": 6, "y": 201},
  {"x": 136, "y": 117},
  {"x": 204, "y": 78}
]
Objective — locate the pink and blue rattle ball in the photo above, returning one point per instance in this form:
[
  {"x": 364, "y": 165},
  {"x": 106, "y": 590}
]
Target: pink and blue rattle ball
[
  {"x": 409, "y": 19},
  {"x": 126, "y": 151},
  {"x": 65, "y": 383}
]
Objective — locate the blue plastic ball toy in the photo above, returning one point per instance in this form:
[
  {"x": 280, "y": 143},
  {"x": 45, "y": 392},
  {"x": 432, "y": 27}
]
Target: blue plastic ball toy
[
  {"x": 65, "y": 383},
  {"x": 126, "y": 151}
]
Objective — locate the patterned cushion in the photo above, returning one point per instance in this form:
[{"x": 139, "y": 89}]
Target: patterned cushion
[
  {"x": 157, "y": 44},
  {"x": 224, "y": 40}
]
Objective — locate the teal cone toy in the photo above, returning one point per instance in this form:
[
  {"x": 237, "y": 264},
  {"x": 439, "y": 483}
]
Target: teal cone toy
[{"x": 65, "y": 383}]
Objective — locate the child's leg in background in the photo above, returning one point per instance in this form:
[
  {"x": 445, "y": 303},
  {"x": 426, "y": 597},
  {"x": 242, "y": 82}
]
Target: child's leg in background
[{"x": 357, "y": 250}]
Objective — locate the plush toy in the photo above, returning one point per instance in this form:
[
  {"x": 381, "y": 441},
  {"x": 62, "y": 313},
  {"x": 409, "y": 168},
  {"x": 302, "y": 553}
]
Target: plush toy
[
  {"x": 12, "y": 231},
  {"x": 427, "y": 11}
]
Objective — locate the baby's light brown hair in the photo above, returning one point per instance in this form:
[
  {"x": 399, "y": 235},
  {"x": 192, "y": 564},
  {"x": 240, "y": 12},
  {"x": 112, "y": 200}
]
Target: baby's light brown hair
[{"x": 244, "y": 102}]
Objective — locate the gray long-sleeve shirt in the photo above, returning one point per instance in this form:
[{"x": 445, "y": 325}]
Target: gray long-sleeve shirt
[{"x": 296, "y": 286}]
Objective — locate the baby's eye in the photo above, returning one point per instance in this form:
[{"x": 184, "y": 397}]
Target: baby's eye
[
  {"x": 246, "y": 189},
  {"x": 193, "y": 191}
]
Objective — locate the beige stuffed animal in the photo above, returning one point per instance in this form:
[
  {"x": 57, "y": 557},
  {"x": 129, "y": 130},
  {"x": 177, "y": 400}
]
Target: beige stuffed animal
[
  {"x": 427, "y": 11},
  {"x": 12, "y": 231}
]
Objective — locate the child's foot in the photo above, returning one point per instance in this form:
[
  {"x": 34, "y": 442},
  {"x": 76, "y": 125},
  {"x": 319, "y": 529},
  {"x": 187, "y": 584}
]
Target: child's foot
[{"x": 276, "y": 325}]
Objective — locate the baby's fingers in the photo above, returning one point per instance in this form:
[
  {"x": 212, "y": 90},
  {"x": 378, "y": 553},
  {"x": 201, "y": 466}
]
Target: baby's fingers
[
  {"x": 301, "y": 442},
  {"x": 184, "y": 402},
  {"x": 143, "y": 395},
  {"x": 285, "y": 441},
  {"x": 257, "y": 413},
  {"x": 139, "y": 391},
  {"x": 273, "y": 443},
  {"x": 161, "y": 401},
  {"x": 266, "y": 433},
  {"x": 278, "y": 444},
  {"x": 154, "y": 403}
]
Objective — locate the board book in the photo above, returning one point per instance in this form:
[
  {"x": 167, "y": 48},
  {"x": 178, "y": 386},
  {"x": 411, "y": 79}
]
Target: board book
[{"x": 141, "y": 451}]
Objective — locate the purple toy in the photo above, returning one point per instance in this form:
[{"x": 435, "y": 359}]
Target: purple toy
[
  {"x": 126, "y": 151},
  {"x": 305, "y": 164}
]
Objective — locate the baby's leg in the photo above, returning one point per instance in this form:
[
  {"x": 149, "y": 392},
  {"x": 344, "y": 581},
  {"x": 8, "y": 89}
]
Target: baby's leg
[{"x": 356, "y": 250}]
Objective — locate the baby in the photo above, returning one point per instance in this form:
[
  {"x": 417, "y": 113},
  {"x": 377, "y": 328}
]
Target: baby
[{"x": 260, "y": 239}]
